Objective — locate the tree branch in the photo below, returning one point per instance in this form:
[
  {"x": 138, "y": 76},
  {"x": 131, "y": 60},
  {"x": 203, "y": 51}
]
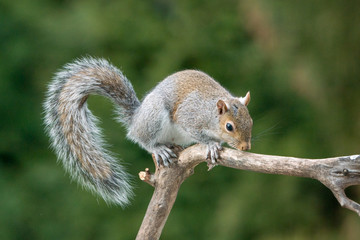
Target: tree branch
[{"x": 336, "y": 173}]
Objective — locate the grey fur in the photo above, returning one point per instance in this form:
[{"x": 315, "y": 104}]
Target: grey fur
[
  {"x": 116, "y": 187},
  {"x": 180, "y": 110}
]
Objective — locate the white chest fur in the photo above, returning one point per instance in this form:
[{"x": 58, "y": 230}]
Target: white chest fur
[{"x": 173, "y": 133}]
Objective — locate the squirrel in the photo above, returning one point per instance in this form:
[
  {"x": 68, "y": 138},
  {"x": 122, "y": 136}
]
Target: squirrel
[{"x": 186, "y": 107}]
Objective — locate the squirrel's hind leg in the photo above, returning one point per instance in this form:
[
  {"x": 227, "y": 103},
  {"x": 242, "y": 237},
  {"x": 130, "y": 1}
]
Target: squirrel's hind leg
[{"x": 165, "y": 153}]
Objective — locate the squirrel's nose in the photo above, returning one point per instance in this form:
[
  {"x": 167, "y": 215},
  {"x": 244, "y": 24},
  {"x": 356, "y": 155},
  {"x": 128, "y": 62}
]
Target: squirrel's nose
[{"x": 244, "y": 146}]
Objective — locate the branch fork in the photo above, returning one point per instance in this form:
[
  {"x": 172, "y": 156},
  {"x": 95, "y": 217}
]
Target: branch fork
[{"x": 336, "y": 173}]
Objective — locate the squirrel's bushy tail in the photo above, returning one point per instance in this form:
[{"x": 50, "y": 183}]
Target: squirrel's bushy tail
[{"x": 72, "y": 127}]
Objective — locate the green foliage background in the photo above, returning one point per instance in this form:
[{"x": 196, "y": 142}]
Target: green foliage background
[{"x": 300, "y": 59}]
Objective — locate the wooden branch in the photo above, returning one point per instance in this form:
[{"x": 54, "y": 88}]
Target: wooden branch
[{"x": 336, "y": 173}]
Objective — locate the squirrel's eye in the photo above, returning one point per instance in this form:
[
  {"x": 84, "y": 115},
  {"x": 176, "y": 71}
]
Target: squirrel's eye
[{"x": 229, "y": 127}]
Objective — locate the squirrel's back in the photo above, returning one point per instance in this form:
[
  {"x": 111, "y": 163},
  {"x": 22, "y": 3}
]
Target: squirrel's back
[
  {"x": 190, "y": 85},
  {"x": 182, "y": 83}
]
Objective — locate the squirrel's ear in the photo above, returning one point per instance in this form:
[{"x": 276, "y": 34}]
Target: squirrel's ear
[
  {"x": 245, "y": 100},
  {"x": 221, "y": 106}
]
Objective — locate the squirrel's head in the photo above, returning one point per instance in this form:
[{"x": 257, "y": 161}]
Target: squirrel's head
[{"x": 235, "y": 122}]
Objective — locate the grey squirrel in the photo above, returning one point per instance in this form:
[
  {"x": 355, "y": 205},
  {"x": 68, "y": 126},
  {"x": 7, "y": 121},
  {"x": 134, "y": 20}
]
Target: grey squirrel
[{"x": 186, "y": 107}]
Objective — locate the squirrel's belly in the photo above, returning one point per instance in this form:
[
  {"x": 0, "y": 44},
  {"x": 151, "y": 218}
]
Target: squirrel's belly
[{"x": 174, "y": 134}]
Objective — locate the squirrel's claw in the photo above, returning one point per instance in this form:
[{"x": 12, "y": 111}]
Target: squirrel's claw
[
  {"x": 213, "y": 149},
  {"x": 176, "y": 148},
  {"x": 163, "y": 155}
]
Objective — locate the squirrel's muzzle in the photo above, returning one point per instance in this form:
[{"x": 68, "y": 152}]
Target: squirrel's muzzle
[{"x": 244, "y": 146}]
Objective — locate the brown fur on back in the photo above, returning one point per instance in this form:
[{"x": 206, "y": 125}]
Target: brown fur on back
[{"x": 189, "y": 81}]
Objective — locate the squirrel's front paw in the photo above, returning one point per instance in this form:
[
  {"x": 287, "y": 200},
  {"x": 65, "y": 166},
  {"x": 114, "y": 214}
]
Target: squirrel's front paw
[
  {"x": 213, "y": 149},
  {"x": 163, "y": 154}
]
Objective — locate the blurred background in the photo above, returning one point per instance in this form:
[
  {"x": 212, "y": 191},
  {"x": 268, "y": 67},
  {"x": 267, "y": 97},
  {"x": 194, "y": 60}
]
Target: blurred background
[{"x": 299, "y": 59}]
